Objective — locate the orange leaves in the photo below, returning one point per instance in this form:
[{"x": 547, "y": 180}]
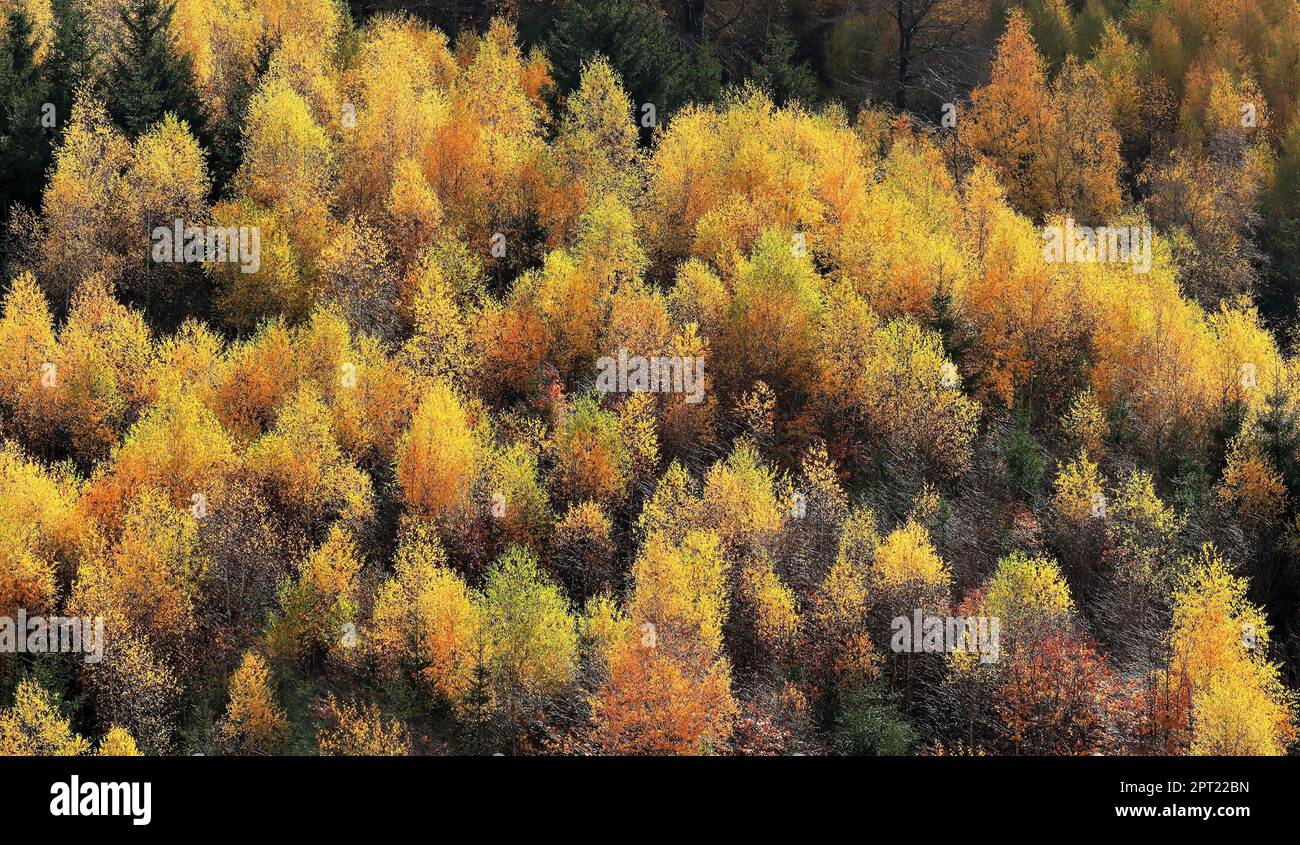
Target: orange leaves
[
  {"x": 254, "y": 723},
  {"x": 1054, "y": 699},
  {"x": 592, "y": 459},
  {"x": 27, "y": 351},
  {"x": 426, "y": 620},
  {"x": 1054, "y": 150},
  {"x": 655, "y": 705},
  {"x": 439, "y": 457},
  {"x": 669, "y": 688},
  {"x": 178, "y": 448}
]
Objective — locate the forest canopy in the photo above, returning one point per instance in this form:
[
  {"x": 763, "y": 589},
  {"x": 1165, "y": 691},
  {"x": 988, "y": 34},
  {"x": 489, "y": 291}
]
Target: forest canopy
[{"x": 643, "y": 377}]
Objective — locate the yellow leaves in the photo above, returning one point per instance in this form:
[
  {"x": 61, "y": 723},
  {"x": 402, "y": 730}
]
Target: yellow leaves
[
  {"x": 440, "y": 456},
  {"x": 600, "y": 628},
  {"x": 426, "y": 615},
  {"x": 1215, "y": 105},
  {"x": 1141, "y": 528},
  {"x": 517, "y": 498},
  {"x": 1085, "y": 424},
  {"x": 899, "y": 246},
  {"x": 906, "y": 559},
  {"x": 192, "y": 359},
  {"x": 840, "y": 650},
  {"x": 1032, "y": 324},
  {"x": 168, "y": 177},
  {"x": 1235, "y": 717},
  {"x": 285, "y": 284},
  {"x": 1025, "y": 592},
  {"x": 776, "y": 616},
  {"x": 1251, "y": 483},
  {"x": 413, "y": 210},
  {"x": 147, "y": 582},
  {"x": 1219, "y": 642},
  {"x": 584, "y": 523},
  {"x": 1242, "y": 362},
  {"x": 33, "y": 726},
  {"x": 698, "y": 296},
  {"x": 178, "y": 448},
  {"x": 298, "y": 61},
  {"x": 668, "y": 689},
  {"x": 79, "y": 205},
  {"x": 26, "y": 346},
  {"x": 287, "y": 158},
  {"x": 26, "y": 578},
  {"x": 607, "y": 246},
  {"x": 315, "y": 608},
  {"x": 439, "y": 345},
  {"x": 681, "y": 591},
  {"x": 221, "y": 39},
  {"x": 719, "y": 176},
  {"x": 254, "y": 723},
  {"x": 674, "y": 509},
  {"x": 531, "y": 639},
  {"x": 636, "y": 423},
  {"x": 1082, "y": 155},
  {"x": 571, "y": 304},
  {"x": 43, "y": 533},
  {"x": 498, "y": 67},
  {"x": 40, "y": 17},
  {"x": 400, "y": 96},
  {"x": 595, "y": 149},
  {"x": 655, "y": 705},
  {"x": 359, "y": 730},
  {"x": 103, "y": 350},
  {"x": 769, "y": 331},
  {"x": 299, "y": 463},
  {"x": 317, "y": 20},
  {"x": 332, "y": 570},
  {"x": 136, "y": 687},
  {"x": 513, "y": 641},
  {"x": 1078, "y": 494},
  {"x": 117, "y": 743},
  {"x": 1007, "y": 114},
  {"x": 896, "y": 381},
  {"x": 740, "y": 502},
  {"x": 1118, "y": 63}
]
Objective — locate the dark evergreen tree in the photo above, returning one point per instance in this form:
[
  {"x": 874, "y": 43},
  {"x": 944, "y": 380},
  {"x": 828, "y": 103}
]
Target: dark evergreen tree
[
  {"x": 150, "y": 77},
  {"x": 24, "y": 140},
  {"x": 227, "y": 135},
  {"x": 777, "y": 73},
  {"x": 71, "y": 60},
  {"x": 655, "y": 65}
]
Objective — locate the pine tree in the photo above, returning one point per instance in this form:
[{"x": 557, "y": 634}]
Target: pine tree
[
  {"x": 24, "y": 142},
  {"x": 777, "y": 72},
  {"x": 227, "y": 151},
  {"x": 150, "y": 77},
  {"x": 632, "y": 35},
  {"x": 71, "y": 60}
]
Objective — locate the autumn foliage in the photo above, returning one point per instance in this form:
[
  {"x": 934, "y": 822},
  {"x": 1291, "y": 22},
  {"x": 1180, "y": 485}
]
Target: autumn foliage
[{"x": 376, "y": 495}]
